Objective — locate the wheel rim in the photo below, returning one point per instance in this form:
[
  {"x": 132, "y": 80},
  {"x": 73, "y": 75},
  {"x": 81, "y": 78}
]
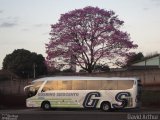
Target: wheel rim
[
  {"x": 106, "y": 107},
  {"x": 46, "y": 106}
]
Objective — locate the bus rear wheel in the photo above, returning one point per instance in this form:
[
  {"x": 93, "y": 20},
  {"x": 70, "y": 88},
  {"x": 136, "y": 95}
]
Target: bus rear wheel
[
  {"x": 46, "y": 105},
  {"x": 105, "y": 106}
]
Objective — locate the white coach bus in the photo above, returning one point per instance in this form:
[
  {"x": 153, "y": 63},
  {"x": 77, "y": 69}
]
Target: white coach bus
[{"x": 84, "y": 92}]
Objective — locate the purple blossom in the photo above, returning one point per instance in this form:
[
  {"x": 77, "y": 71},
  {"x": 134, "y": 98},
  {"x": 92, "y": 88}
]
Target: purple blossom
[{"x": 88, "y": 34}]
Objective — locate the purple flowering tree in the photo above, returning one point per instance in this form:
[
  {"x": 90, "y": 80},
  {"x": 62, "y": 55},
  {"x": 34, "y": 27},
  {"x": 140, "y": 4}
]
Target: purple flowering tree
[{"x": 87, "y": 36}]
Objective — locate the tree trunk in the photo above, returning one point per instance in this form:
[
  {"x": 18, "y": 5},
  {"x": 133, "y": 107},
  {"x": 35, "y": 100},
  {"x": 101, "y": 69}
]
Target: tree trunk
[{"x": 89, "y": 69}]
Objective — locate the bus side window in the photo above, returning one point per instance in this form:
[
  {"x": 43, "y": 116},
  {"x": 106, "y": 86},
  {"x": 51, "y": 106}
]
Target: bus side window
[
  {"x": 109, "y": 84},
  {"x": 67, "y": 85},
  {"x": 125, "y": 84},
  {"x": 79, "y": 84},
  {"x": 94, "y": 85}
]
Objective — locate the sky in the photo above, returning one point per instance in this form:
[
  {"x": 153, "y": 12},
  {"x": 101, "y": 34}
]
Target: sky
[{"x": 26, "y": 23}]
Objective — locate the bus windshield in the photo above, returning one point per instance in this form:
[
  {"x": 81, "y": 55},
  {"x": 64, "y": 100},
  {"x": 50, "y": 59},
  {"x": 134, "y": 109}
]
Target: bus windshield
[{"x": 32, "y": 89}]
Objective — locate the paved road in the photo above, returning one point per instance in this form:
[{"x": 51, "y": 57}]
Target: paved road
[{"x": 79, "y": 114}]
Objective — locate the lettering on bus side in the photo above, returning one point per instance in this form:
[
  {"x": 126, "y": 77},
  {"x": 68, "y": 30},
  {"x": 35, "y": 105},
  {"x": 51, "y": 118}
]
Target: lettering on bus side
[
  {"x": 123, "y": 101},
  {"x": 89, "y": 102}
]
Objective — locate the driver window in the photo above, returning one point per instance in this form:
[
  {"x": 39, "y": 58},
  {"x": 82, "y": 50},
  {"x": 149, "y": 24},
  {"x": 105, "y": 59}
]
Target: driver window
[
  {"x": 50, "y": 85},
  {"x": 34, "y": 88}
]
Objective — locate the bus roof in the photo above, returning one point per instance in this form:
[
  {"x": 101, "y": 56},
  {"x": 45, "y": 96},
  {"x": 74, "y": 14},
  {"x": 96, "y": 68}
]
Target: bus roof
[{"x": 84, "y": 78}]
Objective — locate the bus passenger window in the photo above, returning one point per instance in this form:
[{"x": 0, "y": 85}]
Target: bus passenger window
[
  {"x": 109, "y": 84},
  {"x": 67, "y": 85},
  {"x": 125, "y": 84},
  {"x": 79, "y": 84},
  {"x": 93, "y": 84}
]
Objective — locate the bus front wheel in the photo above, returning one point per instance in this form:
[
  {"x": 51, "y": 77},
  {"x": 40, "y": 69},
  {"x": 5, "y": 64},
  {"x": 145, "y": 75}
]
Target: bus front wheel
[
  {"x": 46, "y": 105},
  {"x": 105, "y": 106}
]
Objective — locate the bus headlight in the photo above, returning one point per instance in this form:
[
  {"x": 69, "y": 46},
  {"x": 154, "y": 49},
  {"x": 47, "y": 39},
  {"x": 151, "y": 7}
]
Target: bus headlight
[{"x": 30, "y": 104}]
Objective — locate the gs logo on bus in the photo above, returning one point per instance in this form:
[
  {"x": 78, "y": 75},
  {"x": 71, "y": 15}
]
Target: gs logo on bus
[
  {"x": 90, "y": 102},
  {"x": 123, "y": 101}
]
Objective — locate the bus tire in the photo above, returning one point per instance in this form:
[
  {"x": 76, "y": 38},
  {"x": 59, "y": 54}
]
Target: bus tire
[
  {"x": 105, "y": 106},
  {"x": 46, "y": 105}
]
